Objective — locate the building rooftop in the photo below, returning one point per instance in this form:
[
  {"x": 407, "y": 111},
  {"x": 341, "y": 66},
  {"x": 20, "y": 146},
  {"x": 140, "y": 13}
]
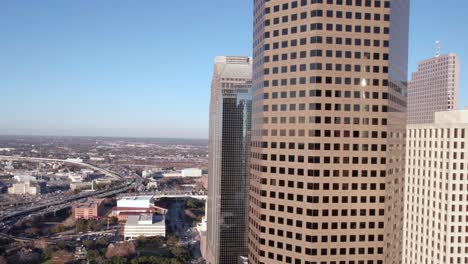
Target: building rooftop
[
  {"x": 451, "y": 117},
  {"x": 145, "y": 220},
  {"x": 92, "y": 203}
]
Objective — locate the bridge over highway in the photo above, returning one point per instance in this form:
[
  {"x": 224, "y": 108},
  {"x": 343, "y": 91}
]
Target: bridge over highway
[{"x": 158, "y": 195}]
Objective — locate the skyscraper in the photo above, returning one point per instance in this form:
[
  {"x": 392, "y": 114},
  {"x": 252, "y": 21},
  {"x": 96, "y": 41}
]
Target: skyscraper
[
  {"x": 435, "y": 222},
  {"x": 229, "y": 152},
  {"x": 328, "y": 126},
  {"x": 433, "y": 88}
]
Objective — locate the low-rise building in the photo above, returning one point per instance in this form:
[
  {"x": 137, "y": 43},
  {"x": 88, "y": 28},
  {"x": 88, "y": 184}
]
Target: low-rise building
[
  {"x": 152, "y": 185},
  {"x": 77, "y": 177},
  {"x": 80, "y": 185},
  {"x": 91, "y": 209},
  {"x": 122, "y": 213},
  {"x": 191, "y": 172},
  {"x": 146, "y": 225},
  {"x": 80, "y": 253},
  {"x": 134, "y": 206},
  {"x": 28, "y": 187},
  {"x": 151, "y": 172}
]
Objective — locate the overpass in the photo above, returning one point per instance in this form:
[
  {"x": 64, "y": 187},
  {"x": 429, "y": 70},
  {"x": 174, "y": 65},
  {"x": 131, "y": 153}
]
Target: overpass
[
  {"x": 158, "y": 195},
  {"x": 199, "y": 197}
]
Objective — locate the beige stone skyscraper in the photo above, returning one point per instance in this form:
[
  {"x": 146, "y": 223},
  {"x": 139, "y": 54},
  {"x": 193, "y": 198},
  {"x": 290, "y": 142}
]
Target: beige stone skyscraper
[
  {"x": 436, "y": 195},
  {"x": 433, "y": 88},
  {"x": 328, "y": 131}
]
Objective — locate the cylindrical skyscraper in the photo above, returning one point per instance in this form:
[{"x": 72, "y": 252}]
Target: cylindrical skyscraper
[{"x": 328, "y": 131}]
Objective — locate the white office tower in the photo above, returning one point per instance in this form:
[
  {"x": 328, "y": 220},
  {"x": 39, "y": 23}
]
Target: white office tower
[
  {"x": 433, "y": 88},
  {"x": 436, "y": 191}
]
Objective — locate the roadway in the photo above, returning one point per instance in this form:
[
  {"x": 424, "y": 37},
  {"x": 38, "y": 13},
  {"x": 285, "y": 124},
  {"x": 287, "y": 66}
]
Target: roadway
[
  {"x": 89, "y": 166},
  {"x": 53, "y": 204},
  {"x": 7, "y": 221}
]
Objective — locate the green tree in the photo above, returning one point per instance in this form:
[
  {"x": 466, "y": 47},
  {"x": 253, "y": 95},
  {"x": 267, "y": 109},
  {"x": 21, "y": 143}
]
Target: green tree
[
  {"x": 62, "y": 245},
  {"x": 118, "y": 260},
  {"x": 32, "y": 231},
  {"x": 48, "y": 252},
  {"x": 102, "y": 242},
  {"x": 92, "y": 255},
  {"x": 172, "y": 241},
  {"x": 89, "y": 244},
  {"x": 181, "y": 254},
  {"x": 81, "y": 225},
  {"x": 94, "y": 225},
  {"x": 113, "y": 221},
  {"x": 58, "y": 229}
]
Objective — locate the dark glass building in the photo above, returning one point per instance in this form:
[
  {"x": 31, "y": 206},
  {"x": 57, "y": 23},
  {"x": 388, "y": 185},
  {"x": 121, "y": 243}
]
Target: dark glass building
[{"x": 229, "y": 153}]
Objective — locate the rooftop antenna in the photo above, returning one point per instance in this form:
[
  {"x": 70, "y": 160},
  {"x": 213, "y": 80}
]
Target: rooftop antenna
[{"x": 437, "y": 48}]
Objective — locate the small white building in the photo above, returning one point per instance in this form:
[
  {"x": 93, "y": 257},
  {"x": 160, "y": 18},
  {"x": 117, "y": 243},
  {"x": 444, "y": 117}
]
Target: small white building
[
  {"x": 97, "y": 159},
  {"x": 136, "y": 202},
  {"x": 152, "y": 185},
  {"x": 151, "y": 172},
  {"x": 87, "y": 171},
  {"x": 146, "y": 225},
  {"x": 75, "y": 160},
  {"x": 76, "y": 177},
  {"x": 192, "y": 172}
]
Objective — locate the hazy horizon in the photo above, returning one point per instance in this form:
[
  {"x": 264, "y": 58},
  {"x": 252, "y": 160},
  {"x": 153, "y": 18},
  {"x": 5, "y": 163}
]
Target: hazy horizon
[{"x": 100, "y": 137}]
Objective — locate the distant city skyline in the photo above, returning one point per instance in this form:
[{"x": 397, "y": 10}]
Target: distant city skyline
[{"x": 130, "y": 70}]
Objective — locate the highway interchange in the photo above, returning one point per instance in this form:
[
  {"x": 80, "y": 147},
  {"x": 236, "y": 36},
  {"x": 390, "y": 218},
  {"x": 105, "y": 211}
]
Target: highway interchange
[{"x": 59, "y": 202}]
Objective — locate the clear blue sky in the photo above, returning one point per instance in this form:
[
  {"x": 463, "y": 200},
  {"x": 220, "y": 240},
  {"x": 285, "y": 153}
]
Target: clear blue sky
[{"x": 143, "y": 68}]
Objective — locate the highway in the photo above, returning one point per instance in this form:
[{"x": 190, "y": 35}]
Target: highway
[
  {"x": 101, "y": 170},
  {"x": 54, "y": 204},
  {"x": 7, "y": 221}
]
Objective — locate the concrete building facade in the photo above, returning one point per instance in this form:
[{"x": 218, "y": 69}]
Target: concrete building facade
[
  {"x": 144, "y": 225},
  {"x": 433, "y": 88},
  {"x": 328, "y": 131},
  {"x": 436, "y": 195},
  {"x": 27, "y": 187},
  {"x": 229, "y": 152}
]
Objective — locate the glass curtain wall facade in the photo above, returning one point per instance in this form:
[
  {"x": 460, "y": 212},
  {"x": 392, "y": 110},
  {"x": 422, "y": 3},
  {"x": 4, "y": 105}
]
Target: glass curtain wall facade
[
  {"x": 229, "y": 152},
  {"x": 328, "y": 131}
]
